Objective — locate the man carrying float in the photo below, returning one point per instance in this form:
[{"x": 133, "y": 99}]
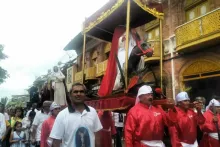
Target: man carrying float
[
  {"x": 184, "y": 133},
  {"x": 145, "y": 123},
  {"x": 211, "y": 125}
]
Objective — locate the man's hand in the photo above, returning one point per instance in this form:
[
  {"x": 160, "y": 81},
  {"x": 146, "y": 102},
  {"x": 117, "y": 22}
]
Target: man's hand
[
  {"x": 33, "y": 141},
  {"x": 215, "y": 119},
  {"x": 198, "y": 105}
]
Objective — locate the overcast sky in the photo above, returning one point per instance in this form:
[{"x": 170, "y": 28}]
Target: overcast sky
[{"x": 34, "y": 33}]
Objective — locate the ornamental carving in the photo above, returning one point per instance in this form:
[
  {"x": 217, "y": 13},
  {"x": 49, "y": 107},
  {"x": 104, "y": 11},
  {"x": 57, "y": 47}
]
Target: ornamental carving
[{"x": 200, "y": 67}]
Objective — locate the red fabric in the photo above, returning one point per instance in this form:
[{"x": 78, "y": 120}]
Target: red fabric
[
  {"x": 45, "y": 131},
  {"x": 209, "y": 127},
  {"x": 144, "y": 123},
  {"x": 108, "y": 80},
  {"x": 115, "y": 103},
  {"x": 186, "y": 128},
  {"x": 108, "y": 129}
]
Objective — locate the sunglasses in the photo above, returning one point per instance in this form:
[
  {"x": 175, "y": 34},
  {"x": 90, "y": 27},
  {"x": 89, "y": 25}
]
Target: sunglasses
[{"x": 78, "y": 91}]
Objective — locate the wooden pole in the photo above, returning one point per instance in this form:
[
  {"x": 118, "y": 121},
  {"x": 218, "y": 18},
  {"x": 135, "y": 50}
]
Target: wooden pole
[
  {"x": 127, "y": 42},
  {"x": 161, "y": 56},
  {"x": 84, "y": 51}
]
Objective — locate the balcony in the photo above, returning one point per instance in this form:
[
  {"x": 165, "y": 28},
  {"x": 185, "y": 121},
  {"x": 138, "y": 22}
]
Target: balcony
[
  {"x": 78, "y": 77},
  {"x": 202, "y": 31},
  {"x": 100, "y": 68},
  {"x": 156, "y": 55},
  {"x": 90, "y": 73}
]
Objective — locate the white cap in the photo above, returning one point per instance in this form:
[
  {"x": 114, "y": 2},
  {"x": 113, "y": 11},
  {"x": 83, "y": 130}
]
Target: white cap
[
  {"x": 182, "y": 96},
  {"x": 213, "y": 102},
  {"x": 143, "y": 90},
  {"x": 54, "y": 106}
]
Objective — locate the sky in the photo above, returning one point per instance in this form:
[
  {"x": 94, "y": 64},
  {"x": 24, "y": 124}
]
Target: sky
[{"x": 34, "y": 33}]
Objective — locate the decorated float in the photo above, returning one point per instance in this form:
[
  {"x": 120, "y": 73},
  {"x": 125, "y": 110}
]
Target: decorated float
[{"x": 112, "y": 50}]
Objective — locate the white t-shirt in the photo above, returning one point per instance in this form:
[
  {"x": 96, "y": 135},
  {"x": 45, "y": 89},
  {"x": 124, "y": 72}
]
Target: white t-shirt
[
  {"x": 2, "y": 125},
  {"x": 30, "y": 111},
  {"x": 75, "y": 128},
  {"x": 116, "y": 119},
  {"x": 38, "y": 120}
]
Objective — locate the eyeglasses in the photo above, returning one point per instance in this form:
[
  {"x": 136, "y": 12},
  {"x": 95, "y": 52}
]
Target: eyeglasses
[{"x": 78, "y": 91}]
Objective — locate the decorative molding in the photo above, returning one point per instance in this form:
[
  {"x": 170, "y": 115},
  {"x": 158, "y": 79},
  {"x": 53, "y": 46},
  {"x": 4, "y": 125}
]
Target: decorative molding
[{"x": 200, "y": 67}]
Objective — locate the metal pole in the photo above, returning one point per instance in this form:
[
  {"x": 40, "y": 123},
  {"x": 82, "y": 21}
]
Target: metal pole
[
  {"x": 83, "y": 55},
  {"x": 127, "y": 42},
  {"x": 161, "y": 56}
]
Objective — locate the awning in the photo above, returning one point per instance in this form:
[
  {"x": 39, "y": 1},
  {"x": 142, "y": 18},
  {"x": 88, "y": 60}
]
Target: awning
[
  {"x": 102, "y": 23},
  {"x": 117, "y": 103}
]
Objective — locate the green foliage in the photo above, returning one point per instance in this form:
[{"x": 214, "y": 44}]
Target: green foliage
[
  {"x": 3, "y": 73},
  {"x": 4, "y": 100}
]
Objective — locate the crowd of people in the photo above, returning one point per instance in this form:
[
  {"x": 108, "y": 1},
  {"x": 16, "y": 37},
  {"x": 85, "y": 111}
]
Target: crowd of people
[{"x": 80, "y": 125}]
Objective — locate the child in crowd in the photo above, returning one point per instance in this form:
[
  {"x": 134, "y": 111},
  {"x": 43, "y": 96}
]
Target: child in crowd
[{"x": 17, "y": 138}]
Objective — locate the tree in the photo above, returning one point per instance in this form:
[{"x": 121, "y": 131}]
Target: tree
[{"x": 3, "y": 73}]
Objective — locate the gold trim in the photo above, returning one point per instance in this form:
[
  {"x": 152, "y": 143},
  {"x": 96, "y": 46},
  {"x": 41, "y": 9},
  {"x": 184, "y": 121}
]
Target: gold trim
[
  {"x": 151, "y": 59},
  {"x": 107, "y": 13},
  {"x": 153, "y": 11},
  {"x": 127, "y": 42},
  {"x": 203, "y": 77},
  {"x": 104, "y": 15}
]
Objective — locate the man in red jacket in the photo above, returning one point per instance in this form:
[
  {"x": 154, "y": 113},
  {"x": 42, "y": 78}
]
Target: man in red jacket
[
  {"x": 145, "y": 123},
  {"x": 184, "y": 133},
  {"x": 212, "y": 115}
]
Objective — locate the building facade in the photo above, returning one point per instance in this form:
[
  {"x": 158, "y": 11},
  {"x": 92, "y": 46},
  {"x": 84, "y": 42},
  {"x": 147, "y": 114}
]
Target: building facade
[{"x": 191, "y": 44}]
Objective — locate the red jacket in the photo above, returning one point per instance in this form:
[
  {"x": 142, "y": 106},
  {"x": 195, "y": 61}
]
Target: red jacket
[
  {"x": 209, "y": 127},
  {"x": 186, "y": 128},
  {"x": 144, "y": 123},
  {"x": 45, "y": 131}
]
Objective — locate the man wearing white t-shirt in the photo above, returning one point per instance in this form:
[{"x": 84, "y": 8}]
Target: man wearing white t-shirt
[
  {"x": 78, "y": 125},
  {"x": 40, "y": 117}
]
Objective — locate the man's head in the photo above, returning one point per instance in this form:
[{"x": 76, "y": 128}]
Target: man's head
[
  {"x": 214, "y": 106},
  {"x": 34, "y": 105},
  {"x": 183, "y": 100},
  {"x": 46, "y": 106},
  {"x": 145, "y": 95},
  {"x": 77, "y": 93},
  {"x": 54, "y": 109}
]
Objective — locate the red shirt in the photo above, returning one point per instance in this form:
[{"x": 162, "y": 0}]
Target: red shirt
[
  {"x": 144, "y": 123},
  {"x": 45, "y": 131},
  {"x": 186, "y": 128},
  {"x": 209, "y": 127}
]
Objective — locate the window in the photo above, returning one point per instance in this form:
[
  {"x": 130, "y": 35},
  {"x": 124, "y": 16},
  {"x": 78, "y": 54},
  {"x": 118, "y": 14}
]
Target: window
[{"x": 197, "y": 10}]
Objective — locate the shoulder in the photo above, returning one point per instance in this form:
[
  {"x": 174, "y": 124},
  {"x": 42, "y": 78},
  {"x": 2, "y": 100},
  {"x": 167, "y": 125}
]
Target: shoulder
[
  {"x": 62, "y": 114},
  {"x": 91, "y": 109}
]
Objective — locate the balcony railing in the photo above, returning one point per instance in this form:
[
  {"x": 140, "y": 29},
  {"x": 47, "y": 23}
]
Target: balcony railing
[
  {"x": 100, "y": 68},
  {"x": 156, "y": 55},
  {"x": 203, "y": 29}
]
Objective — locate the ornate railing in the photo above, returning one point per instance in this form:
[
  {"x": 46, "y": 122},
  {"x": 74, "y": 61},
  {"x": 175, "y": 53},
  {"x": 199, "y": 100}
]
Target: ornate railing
[
  {"x": 100, "y": 68},
  {"x": 199, "y": 30}
]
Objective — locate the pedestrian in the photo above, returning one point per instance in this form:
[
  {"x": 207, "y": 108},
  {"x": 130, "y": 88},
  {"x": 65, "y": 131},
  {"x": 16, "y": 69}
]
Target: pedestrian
[
  {"x": 48, "y": 125},
  {"x": 77, "y": 125},
  {"x": 119, "y": 124},
  {"x": 211, "y": 126},
  {"x": 184, "y": 133},
  {"x": 145, "y": 123},
  {"x": 40, "y": 117},
  {"x": 17, "y": 138},
  {"x": 2, "y": 127}
]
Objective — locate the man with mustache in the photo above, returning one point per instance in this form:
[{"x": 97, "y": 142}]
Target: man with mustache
[
  {"x": 184, "y": 133},
  {"x": 145, "y": 123}
]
